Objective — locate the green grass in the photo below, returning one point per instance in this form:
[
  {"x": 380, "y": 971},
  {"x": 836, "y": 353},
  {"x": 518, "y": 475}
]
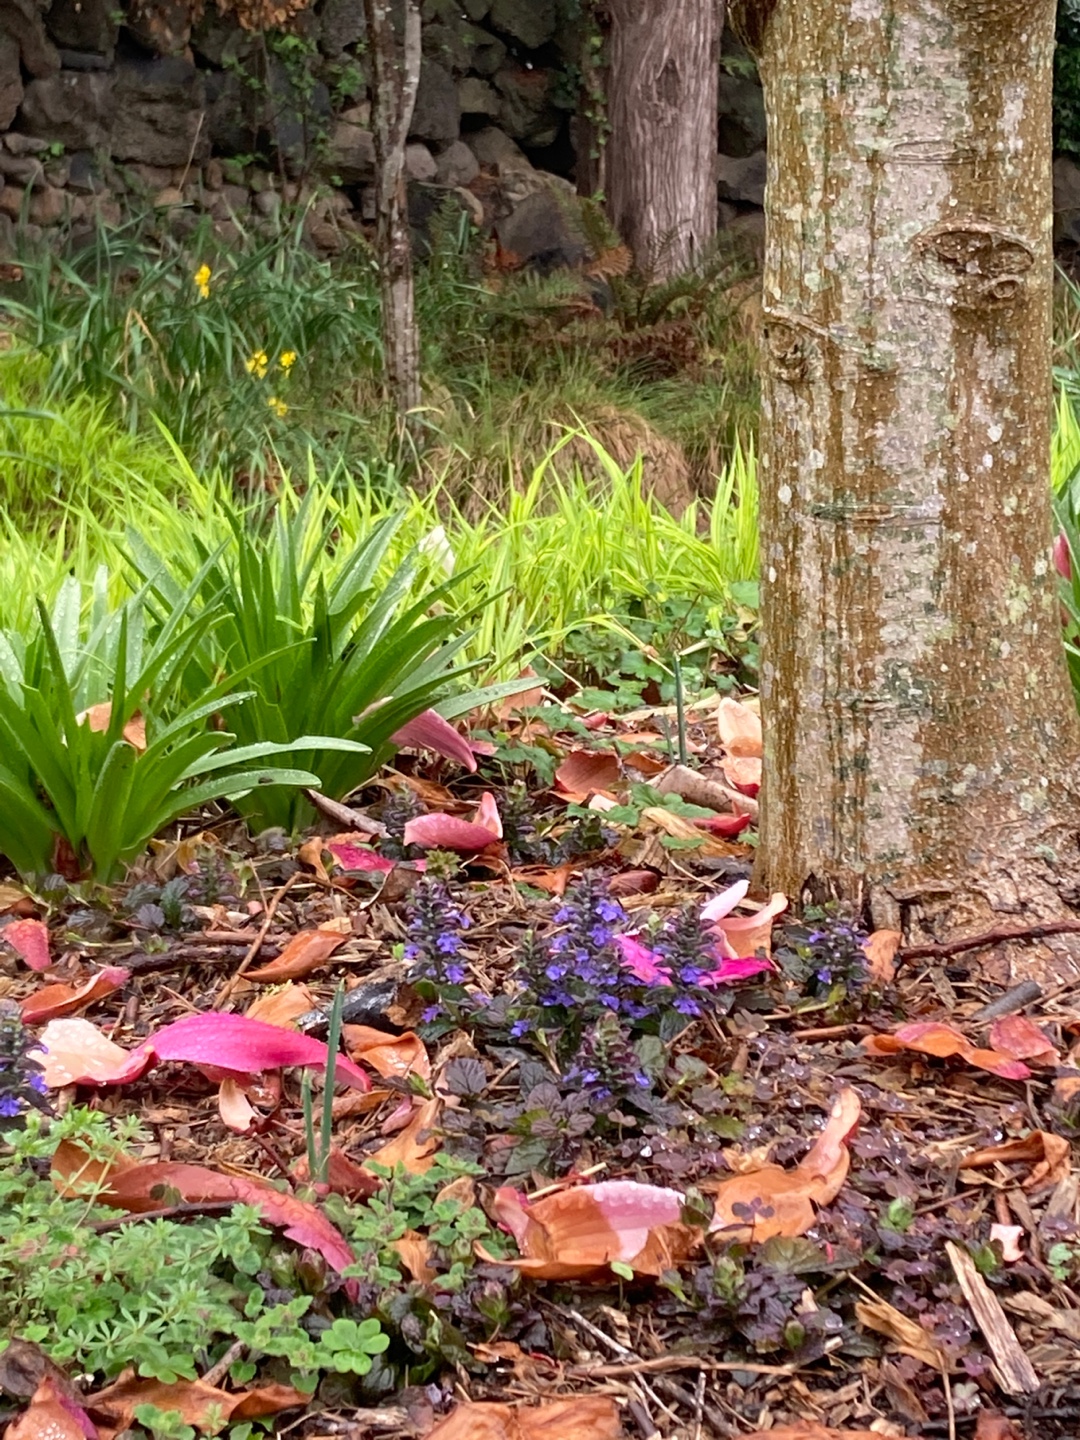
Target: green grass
[{"x": 134, "y": 329}]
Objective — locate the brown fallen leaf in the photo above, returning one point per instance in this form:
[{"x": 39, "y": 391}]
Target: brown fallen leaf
[
  {"x": 310, "y": 854},
  {"x": 942, "y": 1041},
  {"x": 305, "y": 952},
  {"x": 391, "y": 1056},
  {"x": 99, "y": 717},
  {"x": 199, "y": 1404},
  {"x": 52, "y": 1001},
  {"x": 907, "y": 1335},
  {"x": 282, "y": 1007},
  {"x": 414, "y": 1252},
  {"x": 737, "y": 724},
  {"x": 128, "y": 1185},
  {"x": 579, "y": 1232},
  {"x": 584, "y": 772},
  {"x": 880, "y": 950},
  {"x": 1020, "y": 1037},
  {"x": 1049, "y": 1155},
  {"x": 343, "y": 1176},
  {"x": 51, "y": 1415},
  {"x": 587, "y": 1417},
  {"x": 785, "y": 1202},
  {"x": 992, "y": 1425},
  {"x": 415, "y": 1146}
]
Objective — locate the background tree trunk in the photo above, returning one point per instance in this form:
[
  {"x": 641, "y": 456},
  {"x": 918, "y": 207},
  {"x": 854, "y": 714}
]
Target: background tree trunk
[
  {"x": 921, "y": 740},
  {"x": 393, "y": 95},
  {"x": 661, "y": 150}
]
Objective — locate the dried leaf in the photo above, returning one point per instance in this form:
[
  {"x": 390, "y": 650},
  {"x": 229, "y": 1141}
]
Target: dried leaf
[
  {"x": 756, "y": 1205},
  {"x": 1048, "y": 1153},
  {"x": 194, "y": 1399},
  {"x": 99, "y": 717},
  {"x": 880, "y": 950},
  {"x": 391, "y": 1056},
  {"x": 51, "y": 1415},
  {"x": 992, "y": 1425},
  {"x": 30, "y": 941},
  {"x": 737, "y": 722},
  {"x": 575, "y": 1234},
  {"x": 415, "y": 1146},
  {"x": 743, "y": 772},
  {"x": 75, "y": 1052},
  {"x": 811, "y": 1430},
  {"x": 1021, "y": 1038},
  {"x": 282, "y": 1007},
  {"x": 414, "y": 1252},
  {"x": 935, "y": 1038},
  {"x": 137, "y": 1188},
  {"x": 907, "y": 1335},
  {"x": 583, "y": 772},
  {"x": 586, "y": 1417},
  {"x": 343, "y": 1176},
  {"x": 352, "y": 854},
  {"x": 439, "y": 831},
  {"x": 303, "y": 955},
  {"x": 54, "y": 1001}
]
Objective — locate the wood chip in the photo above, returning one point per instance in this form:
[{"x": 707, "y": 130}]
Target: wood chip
[{"x": 1013, "y": 1370}]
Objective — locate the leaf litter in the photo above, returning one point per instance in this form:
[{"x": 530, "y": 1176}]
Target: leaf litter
[{"x": 807, "y": 1195}]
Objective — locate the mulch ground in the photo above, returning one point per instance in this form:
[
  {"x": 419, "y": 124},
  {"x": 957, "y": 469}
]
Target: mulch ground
[{"x": 898, "y": 1312}]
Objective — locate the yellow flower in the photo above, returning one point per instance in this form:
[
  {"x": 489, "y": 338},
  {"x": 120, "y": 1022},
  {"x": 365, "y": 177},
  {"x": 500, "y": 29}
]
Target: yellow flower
[
  {"x": 257, "y": 364},
  {"x": 277, "y": 406},
  {"x": 202, "y": 281},
  {"x": 288, "y": 360}
]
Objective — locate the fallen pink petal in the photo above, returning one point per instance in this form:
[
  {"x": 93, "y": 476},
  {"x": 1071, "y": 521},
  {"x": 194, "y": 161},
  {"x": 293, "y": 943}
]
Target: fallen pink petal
[
  {"x": 644, "y": 964},
  {"x": 430, "y": 731}
]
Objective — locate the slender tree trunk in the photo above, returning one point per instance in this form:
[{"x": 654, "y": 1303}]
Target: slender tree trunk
[
  {"x": 393, "y": 95},
  {"x": 921, "y": 739},
  {"x": 661, "y": 151}
]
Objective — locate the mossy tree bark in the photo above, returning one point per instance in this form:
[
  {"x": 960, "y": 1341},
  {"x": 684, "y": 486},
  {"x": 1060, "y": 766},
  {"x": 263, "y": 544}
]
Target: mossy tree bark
[
  {"x": 921, "y": 738},
  {"x": 660, "y": 161},
  {"x": 395, "y": 78}
]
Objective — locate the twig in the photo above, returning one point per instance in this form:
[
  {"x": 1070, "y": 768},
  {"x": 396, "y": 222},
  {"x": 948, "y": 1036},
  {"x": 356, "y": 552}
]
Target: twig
[
  {"x": 219, "y": 1370},
  {"x": 1038, "y": 931},
  {"x": 185, "y": 1210},
  {"x": 256, "y": 944},
  {"x": 344, "y": 814},
  {"x": 1012, "y": 1000},
  {"x": 661, "y": 1363}
]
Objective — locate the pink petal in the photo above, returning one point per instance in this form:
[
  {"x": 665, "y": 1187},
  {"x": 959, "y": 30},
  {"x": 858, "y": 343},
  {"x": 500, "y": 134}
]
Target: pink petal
[
  {"x": 633, "y": 1210},
  {"x": 358, "y": 857},
  {"x": 487, "y": 814},
  {"x": 726, "y": 901},
  {"x": 430, "y": 731},
  {"x": 30, "y": 941},
  {"x": 750, "y": 933},
  {"x": 726, "y": 825},
  {"x": 234, "y": 1107},
  {"x": 439, "y": 831},
  {"x": 1062, "y": 557},
  {"x": 644, "y": 964},
  {"x": 732, "y": 968},
  {"x": 246, "y": 1046},
  {"x": 1009, "y": 1237},
  {"x": 75, "y": 1052}
]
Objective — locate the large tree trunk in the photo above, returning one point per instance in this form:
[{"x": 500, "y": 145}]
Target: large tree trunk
[
  {"x": 661, "y": 151},
  {"x": 921, "y": 740},
  {"x": 393, "y": 96}
]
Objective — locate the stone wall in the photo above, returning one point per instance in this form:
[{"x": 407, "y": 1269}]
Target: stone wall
[{"x": 108, "y": 104}]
